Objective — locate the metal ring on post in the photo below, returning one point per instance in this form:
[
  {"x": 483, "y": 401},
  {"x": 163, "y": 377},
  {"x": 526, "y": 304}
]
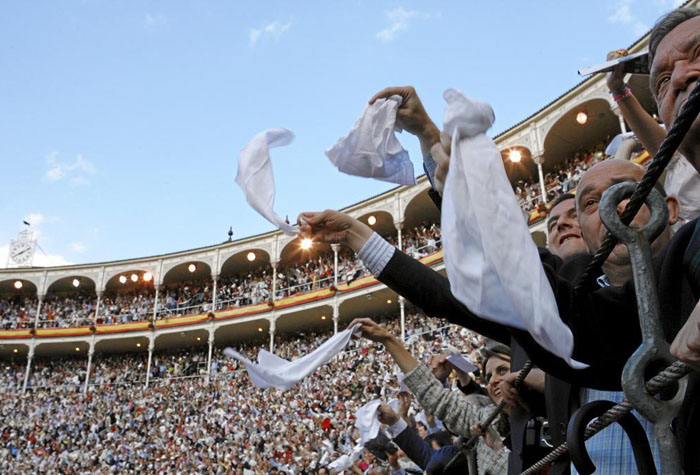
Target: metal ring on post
[
  {"x": 614, "y": 195},
  {"x": 575, "y": 438}
]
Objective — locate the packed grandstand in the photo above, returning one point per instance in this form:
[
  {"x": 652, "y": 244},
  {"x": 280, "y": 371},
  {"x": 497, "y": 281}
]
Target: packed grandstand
[{"x": 119, "y": 366}]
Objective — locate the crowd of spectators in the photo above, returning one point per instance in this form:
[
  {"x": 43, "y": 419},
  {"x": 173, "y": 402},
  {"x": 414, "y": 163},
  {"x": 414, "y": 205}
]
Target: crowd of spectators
[
  {"x": 182, "y": 423},
  {"x": 195, "y": 297},
  {"x": 561, "y": 180}
]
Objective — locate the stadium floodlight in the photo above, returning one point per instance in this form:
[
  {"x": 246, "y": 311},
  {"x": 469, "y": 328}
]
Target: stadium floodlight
[
  {"x": 147, "y": 276},
  {"x": 251, "y": 256},
  {"x": 306, "y": 243},
  {"x": 18, "y": 284},
  {"x": 134, "y": 277},
  {"x": 515, "y": 156},
  {"x": 372, "y": 220},
  {"x": 122, "y": 279},
  {"x": 191, "y": 267},
  {"x": 581, "y": 117},
  {"x": 76, "y": 283}
]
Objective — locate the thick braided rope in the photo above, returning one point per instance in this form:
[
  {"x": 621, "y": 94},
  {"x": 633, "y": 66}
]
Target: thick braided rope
[
  {"x": 668, "y": 147},
  {"x": 471, "y": 442},
  {"x": 662, "y": 380},
  {"x": 522, "y": 374}
]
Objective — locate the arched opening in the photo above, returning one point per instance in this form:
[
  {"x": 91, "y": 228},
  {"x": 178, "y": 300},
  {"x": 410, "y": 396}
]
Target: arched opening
[
  {"x": 18, "y": 304},
  {"x": 305, "y": 266},
  {"x": 129, "y": 297},
  {"x": 421, "y": 231},
  {"x": 246, "y": 279},
  {"x": 69, "y": 302},
  {"x": 186, "y": 290},
  {"x": 131, "y": 353}
]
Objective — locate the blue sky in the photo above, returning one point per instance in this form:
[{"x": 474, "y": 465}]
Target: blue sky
[{"x": 121, "y": 121}]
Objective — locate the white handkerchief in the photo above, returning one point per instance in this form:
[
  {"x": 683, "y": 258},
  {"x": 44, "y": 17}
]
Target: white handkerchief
[
  {"x": 344, "y": 462},
  {"x": 492, "y": 263},
  {"x": 367, "y": 422},
  {"x": 271, "y": 371},
  {"x": 255, "y": 175},
  {"x": 371, "y": 148}
]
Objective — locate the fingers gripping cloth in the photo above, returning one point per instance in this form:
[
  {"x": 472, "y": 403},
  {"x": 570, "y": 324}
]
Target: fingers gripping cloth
[
  {"x": 492, "y": 263},
  {"x": 371, "y": 148}
]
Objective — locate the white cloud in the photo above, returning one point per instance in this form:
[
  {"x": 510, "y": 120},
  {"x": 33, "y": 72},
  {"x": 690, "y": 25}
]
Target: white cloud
[
  {"x": 40, "y": 259},
  {"x": 272, "y": 30},
  {"x": 35, "y": 219},
  {"x": 622, "y": 13},
  {"x": 399, "y": 20},
  {"x": 77, "y": 171},
  {"x": 152, "y": 19},
  {"x": 77, "y": 246},
  {"x": 641, "y": 28}
]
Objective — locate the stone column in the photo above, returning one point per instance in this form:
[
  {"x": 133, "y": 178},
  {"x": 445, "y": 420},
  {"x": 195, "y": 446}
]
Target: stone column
[
  {"x": 91, "y": 353},
  {"x": 272, "y": 335},
  {"x": 538, "y": 160},
  {"x": 616, "y": 110},
  {"x": 151, "y": 347},
  {"x": 97, "y": 306},
  {"x": 155, "y": 304},
  {"x": 40, "y": 299},
  {"x": 335, "y": 248},
  {"x": 30, "y": 357},
  {"x": 336, "y": 316},
  {"x": 211, "y": 348},
  {"x": 399, "y": 227},
  {"x": 274, "y": 279},
  {"x": 215, "y": 278}
]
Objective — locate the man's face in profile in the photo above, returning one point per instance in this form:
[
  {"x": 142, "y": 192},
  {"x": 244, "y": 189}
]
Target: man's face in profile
[
  {"x": 674, "y": 73},
  {"x": 563, "y": 230}
]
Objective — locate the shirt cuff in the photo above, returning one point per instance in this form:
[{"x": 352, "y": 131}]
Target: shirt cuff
[
  {"x": 376, "y": 253},
  {"x": 394, "y": 430}
]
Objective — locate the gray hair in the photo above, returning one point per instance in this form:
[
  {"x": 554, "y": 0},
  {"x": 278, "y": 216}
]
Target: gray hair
[{"x": 667, "y": 23}]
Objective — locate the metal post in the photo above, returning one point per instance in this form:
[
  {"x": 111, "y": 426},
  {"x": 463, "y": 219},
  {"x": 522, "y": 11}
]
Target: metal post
[
  {"x": 30, "y": 356},
  {"x": 211, "y": 348},
  {"x": 38, "y": 311},
  {"x": 402, "y": 305},
  {"x": 335, "y": 248},
  {"x": 91, "y": 352},
  {"x": 399, "y": 227},
  {"x": 155, "y": 305},
  {"x": 215, "y": 278},
  {"x": 151, "y": 346},
  {"x": 97, "y": 306},
  {"x": 538, "y": 160},
  {"x": 274, "y": 280},
  {"x": 336, "y": 317},
  {"x": 272, "y": 335}
]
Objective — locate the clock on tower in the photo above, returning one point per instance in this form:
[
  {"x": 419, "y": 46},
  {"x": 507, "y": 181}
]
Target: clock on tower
[{"x": 22, "y": 250}]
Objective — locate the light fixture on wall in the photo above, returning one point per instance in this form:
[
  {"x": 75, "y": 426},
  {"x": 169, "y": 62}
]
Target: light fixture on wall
[
  {"x": 581, "y": 117},
  {"x": 515, "y": 156}
]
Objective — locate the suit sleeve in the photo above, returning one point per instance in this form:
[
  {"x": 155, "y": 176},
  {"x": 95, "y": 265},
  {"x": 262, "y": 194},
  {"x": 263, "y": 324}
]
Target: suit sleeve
[
  {"x": 414, "y": 446},
  {"x": 430, "y": 291}
]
